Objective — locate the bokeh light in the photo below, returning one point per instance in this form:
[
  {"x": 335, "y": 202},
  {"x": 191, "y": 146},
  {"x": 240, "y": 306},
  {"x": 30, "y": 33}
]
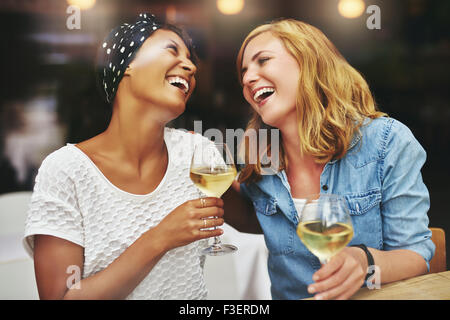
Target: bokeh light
[
  {"x": 82, "y": 4},
  {"x": 230, "y": 6},
  {"x": 351, "y": 8}
]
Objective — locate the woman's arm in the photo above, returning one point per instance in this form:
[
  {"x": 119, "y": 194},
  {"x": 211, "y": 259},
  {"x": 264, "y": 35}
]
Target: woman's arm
[
  {"x": 345, "y": 273},
  {"x": 239, "y": 211},
  {"x": 407, "y": 247},
  {"x": 53, "y": 256},
  {"x": 182, "y": 226},
  {"x": 397, "y": 265}
]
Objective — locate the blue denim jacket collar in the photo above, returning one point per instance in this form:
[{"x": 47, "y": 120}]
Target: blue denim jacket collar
[
  {"x": 355, "y": 139},
  {"x": 273, "y": 186}
]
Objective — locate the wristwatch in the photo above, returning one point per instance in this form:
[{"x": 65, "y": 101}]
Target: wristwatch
[{"x": 370, "y": 261}]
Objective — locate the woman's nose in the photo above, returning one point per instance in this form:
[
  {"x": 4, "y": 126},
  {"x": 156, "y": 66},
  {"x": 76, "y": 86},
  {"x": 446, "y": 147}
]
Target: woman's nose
[
  {"x": 249, "y": 77},
  {"x": 189, "y": 66}
]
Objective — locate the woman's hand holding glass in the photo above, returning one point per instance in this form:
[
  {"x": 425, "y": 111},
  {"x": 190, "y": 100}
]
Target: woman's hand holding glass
[
  {"x": 190, "y": 222},
  {"x": 213, "y": 172},
  {"x": 325, "y": 228},
  {"x": 341, "y": 277}
]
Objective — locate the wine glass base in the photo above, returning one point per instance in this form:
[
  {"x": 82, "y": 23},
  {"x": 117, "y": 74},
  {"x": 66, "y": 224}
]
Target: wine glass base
[{"x": 219, "y": 250}]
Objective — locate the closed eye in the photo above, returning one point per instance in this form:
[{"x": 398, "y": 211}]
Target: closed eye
[
  {"x": 262, "y": 60},
  {"x": 172, "y": 47}
]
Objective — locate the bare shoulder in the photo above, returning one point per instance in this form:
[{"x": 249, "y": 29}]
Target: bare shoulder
[
  {"x": 96, "y": 148},
  {"x": 92, "y": 146}
]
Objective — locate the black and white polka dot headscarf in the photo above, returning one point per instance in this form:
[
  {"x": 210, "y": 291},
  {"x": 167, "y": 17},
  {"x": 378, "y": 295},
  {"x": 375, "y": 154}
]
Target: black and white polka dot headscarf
[{"x": 119, "y": 49}]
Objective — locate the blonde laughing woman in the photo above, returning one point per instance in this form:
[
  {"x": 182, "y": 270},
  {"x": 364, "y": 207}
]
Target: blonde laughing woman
[{"x": 333, "y": 140}]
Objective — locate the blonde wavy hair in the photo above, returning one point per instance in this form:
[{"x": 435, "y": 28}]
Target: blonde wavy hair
[{"x": 333, "y": 98}]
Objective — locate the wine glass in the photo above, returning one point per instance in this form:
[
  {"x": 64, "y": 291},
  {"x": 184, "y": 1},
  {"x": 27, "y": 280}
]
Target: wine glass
[
  {"x": 213, "y": 171},
  {"x": 325, "y": 226}
]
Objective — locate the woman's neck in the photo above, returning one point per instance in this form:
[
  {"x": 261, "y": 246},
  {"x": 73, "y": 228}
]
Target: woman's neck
[
  {"x": 135, "y": 134},
  {"x": 297, "y": 164}
]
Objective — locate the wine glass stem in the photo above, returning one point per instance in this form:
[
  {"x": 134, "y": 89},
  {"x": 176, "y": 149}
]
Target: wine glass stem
[{"x": 217, "y": 240}]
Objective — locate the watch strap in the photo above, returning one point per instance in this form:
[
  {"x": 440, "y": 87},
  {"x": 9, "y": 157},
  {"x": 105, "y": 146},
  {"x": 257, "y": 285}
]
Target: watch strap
[{"x": 370, "y": 260}]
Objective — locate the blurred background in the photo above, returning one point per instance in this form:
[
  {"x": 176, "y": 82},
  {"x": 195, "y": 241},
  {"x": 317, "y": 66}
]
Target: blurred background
[{"x": 48, "y": 94}]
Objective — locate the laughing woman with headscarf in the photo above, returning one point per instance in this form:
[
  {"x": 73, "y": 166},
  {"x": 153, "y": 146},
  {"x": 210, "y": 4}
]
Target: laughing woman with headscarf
[{"x": 119, "y": 209}]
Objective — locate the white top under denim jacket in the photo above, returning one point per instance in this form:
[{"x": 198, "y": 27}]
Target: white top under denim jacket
[{"x": 380, "y": 179}]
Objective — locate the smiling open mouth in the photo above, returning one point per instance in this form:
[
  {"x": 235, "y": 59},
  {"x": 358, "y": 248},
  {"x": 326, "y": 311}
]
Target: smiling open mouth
[
  {"x": 179, "y": 83},
  {"x": 262, "y": 94}
]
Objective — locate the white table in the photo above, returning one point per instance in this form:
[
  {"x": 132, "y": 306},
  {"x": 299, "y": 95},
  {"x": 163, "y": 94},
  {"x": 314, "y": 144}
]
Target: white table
[{"x": 242, "y": 275}]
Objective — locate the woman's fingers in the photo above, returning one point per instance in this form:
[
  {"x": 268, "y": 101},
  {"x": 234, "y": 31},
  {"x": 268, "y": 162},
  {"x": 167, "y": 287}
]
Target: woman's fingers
[
  {"x": 210, "y": 223},
  {"x": 192, "y": 221},
  {"x": 346, "y": 279},
  {"x": 332, "y": 281},
  {"x": 329, "y": 268},
  {"x": 209, "y": 212},
  {"x": 344, "y": 290},
  {"x": 203, "y": 234},
  {"x": 207, "y": 202}
]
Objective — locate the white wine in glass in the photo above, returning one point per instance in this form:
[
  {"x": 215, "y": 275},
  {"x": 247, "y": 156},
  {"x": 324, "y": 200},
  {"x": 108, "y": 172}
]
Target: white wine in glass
[
  {"x": 213, "y": 182},
  {"x": 325, "y": 226},
  {"x": 213, "y": 171}
]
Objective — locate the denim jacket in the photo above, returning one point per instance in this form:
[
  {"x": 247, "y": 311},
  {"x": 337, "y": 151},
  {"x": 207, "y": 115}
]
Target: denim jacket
[{"x": 380, "y": 179}]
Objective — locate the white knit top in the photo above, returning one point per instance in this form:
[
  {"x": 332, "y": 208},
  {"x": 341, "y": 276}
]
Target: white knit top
[{"x": 73, "y": 200}]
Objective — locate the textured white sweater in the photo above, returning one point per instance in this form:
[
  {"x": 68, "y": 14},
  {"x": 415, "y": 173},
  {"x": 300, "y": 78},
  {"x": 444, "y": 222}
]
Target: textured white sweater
[{"x": 73, "y": 200}]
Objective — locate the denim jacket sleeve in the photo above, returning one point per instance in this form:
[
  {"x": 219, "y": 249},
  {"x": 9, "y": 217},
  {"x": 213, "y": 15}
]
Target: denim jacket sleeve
[{"x": 405, "y": 198}]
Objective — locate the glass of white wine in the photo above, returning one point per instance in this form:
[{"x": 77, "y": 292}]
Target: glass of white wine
[
  {"x": 325, "y": 226},
  {"x": 213, "y": 171}
]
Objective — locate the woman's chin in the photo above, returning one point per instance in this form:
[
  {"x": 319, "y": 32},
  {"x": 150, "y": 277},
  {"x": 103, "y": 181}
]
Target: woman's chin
[
  {"x": 174, "y": 111},
  {"x": 270, "y": 119},
  {"x": 278, "y": 118}
]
